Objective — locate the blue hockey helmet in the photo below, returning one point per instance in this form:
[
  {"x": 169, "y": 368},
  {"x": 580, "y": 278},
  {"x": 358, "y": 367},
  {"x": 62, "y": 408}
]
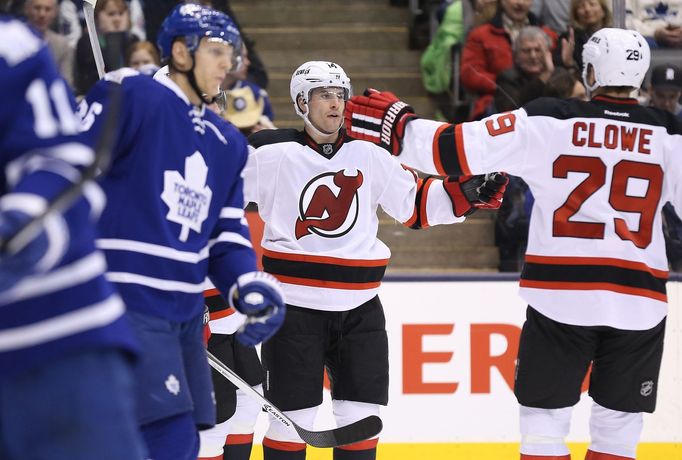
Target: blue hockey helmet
[{"x": 194, "y": 22}]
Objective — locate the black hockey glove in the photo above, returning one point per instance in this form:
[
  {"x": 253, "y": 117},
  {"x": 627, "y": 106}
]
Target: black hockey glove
[
  {"x": 469, "y": 193},
  {"x": 378, "y": 117}
]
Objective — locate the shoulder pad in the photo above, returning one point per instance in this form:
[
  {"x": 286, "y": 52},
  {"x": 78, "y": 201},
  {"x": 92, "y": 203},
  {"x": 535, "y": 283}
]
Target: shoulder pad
[
  {"x": 117, "y": 76},
  {"x": 274, "y": 136},
  {"x": 18, "y": 42}
]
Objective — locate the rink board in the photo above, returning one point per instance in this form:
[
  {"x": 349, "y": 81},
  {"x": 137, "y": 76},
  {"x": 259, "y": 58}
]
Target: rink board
[{"x": 452, "y": 348}]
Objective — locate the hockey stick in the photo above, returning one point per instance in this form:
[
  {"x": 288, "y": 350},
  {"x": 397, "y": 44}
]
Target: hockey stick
[
  {"x": 89, "y": 13},
  {"x": 349, "y": 434}
]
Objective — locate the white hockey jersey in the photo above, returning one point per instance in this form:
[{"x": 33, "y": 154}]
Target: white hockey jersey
[
  {"x": 319, "y": 203},
  {"x": 600, "y": 172}
]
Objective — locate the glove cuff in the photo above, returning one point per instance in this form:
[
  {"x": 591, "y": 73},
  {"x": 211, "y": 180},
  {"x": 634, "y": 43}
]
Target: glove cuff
[
  {"x": 461, "y": 207},
  {"x": 259, "y": 276}
]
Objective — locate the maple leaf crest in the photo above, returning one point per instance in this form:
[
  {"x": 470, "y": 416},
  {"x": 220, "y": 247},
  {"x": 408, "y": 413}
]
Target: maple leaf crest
[{"x": 188, "y": 198}]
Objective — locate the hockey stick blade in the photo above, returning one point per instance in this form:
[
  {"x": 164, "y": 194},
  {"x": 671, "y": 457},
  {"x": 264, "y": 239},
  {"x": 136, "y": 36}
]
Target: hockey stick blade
[
  {"x": 355, "y": 432},
  {"x": 70, "y": 194}
]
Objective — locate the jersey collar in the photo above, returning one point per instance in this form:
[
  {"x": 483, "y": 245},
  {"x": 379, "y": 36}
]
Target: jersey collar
[
  {"x": 616, "y": 100},
  {"x": 326, "y": 150}
]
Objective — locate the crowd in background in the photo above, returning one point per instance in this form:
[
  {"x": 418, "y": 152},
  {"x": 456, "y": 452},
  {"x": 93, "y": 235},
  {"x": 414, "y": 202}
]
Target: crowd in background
[
  {"x": 509, "y": 53},
  {"x": 513, "y": 51},
  {"x": 127, "y": 32}
]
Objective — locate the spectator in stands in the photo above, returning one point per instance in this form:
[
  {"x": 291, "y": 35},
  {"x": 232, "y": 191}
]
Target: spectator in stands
[
  {"x": 243, "y": 110},
  {"x": 511, "y": 225},
  {"x": 554, "y": 13},
  {"x": 237, "y": 79},
  {"x": 137, "y": 20},
  {"x": 112, "y": 19},
  {"x": 143, "y": 56},
  {"x": 587, "y": 17},
  {"x": 565, "y": 84},
  {"x": 69, "y": 22},
  {"x": 41, "y": 14},
  {"x": 436, "y": 62},
  {"x": 484, "y": 11},
  {"x": 487, "y": 50},
  {"x": 516, "y": 86},
  {"x": 665, "y": 88},
  {"x": 659, "y": 21},
  {"x": 532, "y": 69},
  {"x": 672, "y": 230}
]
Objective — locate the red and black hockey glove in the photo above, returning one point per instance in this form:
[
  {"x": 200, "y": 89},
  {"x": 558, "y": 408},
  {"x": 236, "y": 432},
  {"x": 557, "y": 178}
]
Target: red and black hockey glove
[
  {"x": 379, "y": 117},
  {"x": 469, "y": 193}
]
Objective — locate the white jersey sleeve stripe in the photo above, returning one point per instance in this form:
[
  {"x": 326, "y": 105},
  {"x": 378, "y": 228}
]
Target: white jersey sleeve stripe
[
  {"x": 76, "y": 273},
  {"x": 156, "y": 283},
  {"x": 156, "y": 250},
  {"x": 96, "y": 197},
  {"x": 29, "y": 203},
  {"x": 83, "y": 319},
  {"x": 72, "y": 153},
  {"x": 231, "y": 213}
]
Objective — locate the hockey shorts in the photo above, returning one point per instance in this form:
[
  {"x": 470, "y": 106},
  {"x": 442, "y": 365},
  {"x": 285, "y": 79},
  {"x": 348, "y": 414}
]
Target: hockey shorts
[
  {"x": 352, "y": 345},
  {"x": 554, "y": 358},
  {"x": 241, "y": 359},
  {"x": 172, "y": 374},
  {"x": 79, "y": 406}
]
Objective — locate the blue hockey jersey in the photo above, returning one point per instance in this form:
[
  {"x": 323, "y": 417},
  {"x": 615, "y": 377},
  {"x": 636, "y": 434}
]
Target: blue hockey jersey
[
  {"x": 175, "y": 201},
  {"x": 70, "y": 305}
]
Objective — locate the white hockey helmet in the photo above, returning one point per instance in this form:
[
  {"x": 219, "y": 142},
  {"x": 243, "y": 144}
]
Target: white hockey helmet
[
  {"x": 619, "y": 57},
  {"x": 317, "y": 74}
]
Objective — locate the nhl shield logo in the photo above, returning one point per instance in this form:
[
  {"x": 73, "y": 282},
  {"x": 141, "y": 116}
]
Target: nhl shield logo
[
  {"x": 647, "y": 388},
  {"x": 329, "y": 204},
  {"x": 327, "y": 149}
]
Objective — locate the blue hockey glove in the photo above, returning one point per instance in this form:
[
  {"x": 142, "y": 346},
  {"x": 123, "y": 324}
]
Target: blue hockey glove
[
  {"x": 13, "y": 267},
  {"x": 258, "y": 296}
]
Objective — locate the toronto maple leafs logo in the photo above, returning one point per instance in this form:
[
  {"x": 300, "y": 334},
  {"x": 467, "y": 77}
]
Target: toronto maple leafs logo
[
  {"x": 187, "y": 198},
  {"x": 172, "y": 385}
]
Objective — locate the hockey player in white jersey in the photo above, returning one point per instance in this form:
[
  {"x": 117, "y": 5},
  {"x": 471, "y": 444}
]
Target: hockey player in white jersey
[
  {"x": 318, "y": 192},
  {"x": 237, "y": 413},
  {"x": 66, "y": 350},
  {"x": 595, "y": 268},
  {"x": 175, "y": 217}
]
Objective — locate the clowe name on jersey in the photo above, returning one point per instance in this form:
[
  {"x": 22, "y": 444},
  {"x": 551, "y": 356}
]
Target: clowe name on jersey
[{"x": 612, "y": 137}]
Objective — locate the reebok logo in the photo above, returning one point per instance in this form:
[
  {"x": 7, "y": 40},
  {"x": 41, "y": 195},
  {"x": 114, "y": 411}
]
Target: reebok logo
[
  {"x": 389, "y": 119},
  {"x": 617, "y": 114}
]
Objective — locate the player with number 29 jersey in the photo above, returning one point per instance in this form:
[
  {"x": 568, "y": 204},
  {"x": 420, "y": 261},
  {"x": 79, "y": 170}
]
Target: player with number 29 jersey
[
  {"x": 595, "y": 271},
  {"x": 603, "y": 169}
]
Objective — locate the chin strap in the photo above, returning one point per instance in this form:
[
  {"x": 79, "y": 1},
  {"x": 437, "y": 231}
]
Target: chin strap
[
  {"x": 310, "y": 125},
  {"x": 193, "y": 81}
]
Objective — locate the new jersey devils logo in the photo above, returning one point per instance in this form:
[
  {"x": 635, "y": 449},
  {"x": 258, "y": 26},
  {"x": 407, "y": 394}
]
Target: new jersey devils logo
[{"x": 329, "y": 205}]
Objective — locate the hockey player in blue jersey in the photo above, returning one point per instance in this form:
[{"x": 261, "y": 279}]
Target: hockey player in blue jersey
[
  {"x": 65, "y": 348},
  {"x": 175, "y": 217}
]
